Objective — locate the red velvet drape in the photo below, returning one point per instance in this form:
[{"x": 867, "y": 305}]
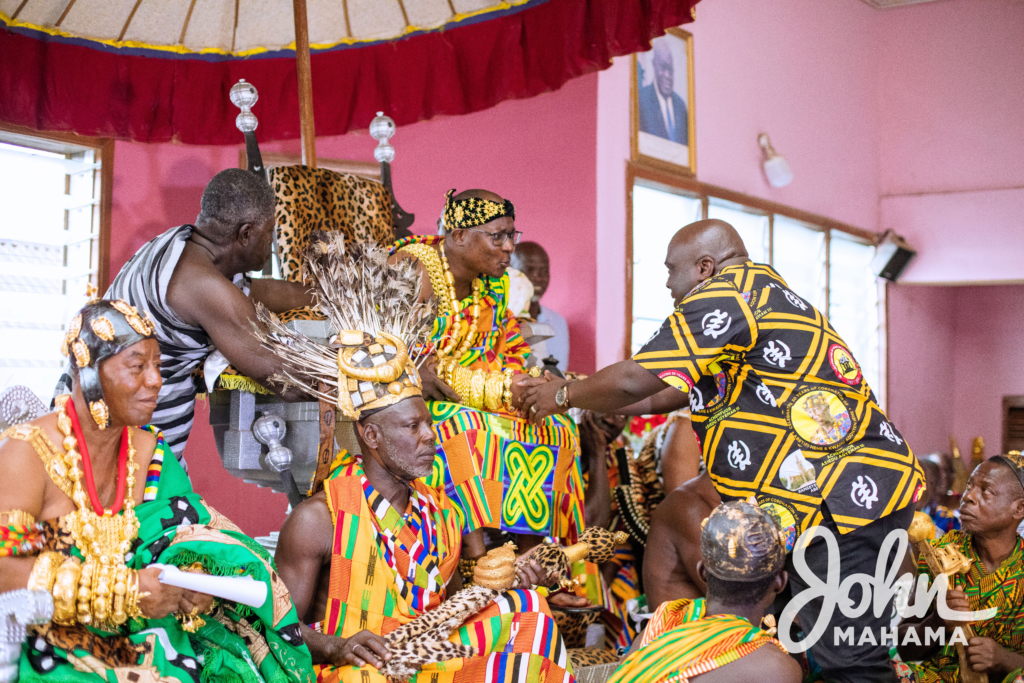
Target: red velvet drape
[{"x": 60, "y": 85}]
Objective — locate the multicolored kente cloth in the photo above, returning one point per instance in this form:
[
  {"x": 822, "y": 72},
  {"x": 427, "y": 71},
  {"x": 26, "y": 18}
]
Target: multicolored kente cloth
[
  {"x": 387, "y": 568},
  {"x": 780, "y": 406},
  {"x": 680, "y": 642},
  {"x": 238, "y": 644},
  {"x": 501, "y": 471},
  {"x": 1002, "y": 589}
]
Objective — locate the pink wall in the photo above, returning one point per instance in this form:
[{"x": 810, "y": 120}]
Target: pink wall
[
  {"x": 540, "y": 153},
  {"x": 954, "y": 352},
  {"x": 802, "y": 72},
  {"x": 950, "y": 100}
]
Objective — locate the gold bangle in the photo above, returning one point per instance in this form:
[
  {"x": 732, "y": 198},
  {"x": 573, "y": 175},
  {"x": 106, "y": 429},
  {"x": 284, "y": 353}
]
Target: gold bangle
[
  {"x": 507, "y": 396},
  {"x": 132, "y": 595},
  {"x": 44, "y": 571},
  {"x": 65, "y": 591},
  {"x": 102, "y": 594},
  {"x": 17, "y": 518},
  {"x": 477, "y": 389},
  {"x": 117, "y": 612},
  {"x": 85, "y": 584}
]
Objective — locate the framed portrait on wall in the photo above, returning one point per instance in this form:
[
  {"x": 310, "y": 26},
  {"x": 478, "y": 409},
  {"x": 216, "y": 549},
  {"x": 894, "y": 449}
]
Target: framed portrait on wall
[{"x": 663, "y": 114}]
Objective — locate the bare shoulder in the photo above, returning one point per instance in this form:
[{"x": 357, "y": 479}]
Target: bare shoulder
[
  {"x": 308, "y": 528},
  {"x": 23, "y": 476},
  {"x": 144, "y": 443}
]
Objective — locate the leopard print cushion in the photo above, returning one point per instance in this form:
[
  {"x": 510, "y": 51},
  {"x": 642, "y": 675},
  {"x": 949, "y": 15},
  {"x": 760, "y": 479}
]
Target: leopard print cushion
[
  {"x": 573, "y": 625},
  {"x": 311, "y": 199},
  {"x": 590, "y": 656}
]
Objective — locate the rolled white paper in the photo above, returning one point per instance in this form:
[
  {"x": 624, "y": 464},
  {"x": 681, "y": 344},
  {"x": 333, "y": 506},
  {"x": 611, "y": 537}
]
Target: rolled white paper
[{"x": 243, "y": 589}]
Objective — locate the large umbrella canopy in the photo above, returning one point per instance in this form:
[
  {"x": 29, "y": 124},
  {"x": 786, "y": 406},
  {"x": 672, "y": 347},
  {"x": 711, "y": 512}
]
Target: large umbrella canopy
[{"x": 158, "y": 70}]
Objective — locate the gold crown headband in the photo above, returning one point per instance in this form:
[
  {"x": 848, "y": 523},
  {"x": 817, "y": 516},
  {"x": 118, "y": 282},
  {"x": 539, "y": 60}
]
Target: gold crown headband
[{"x": 474, "y": 211}]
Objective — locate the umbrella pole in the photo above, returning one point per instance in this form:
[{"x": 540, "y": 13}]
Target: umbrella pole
[{"x": 305, "y": 84}]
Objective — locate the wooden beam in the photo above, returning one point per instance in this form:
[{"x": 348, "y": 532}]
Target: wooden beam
[{"x": 305, "y": 84}]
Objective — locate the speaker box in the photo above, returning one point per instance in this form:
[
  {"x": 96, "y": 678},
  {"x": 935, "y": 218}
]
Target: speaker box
[{"x": 891, "y": 256}]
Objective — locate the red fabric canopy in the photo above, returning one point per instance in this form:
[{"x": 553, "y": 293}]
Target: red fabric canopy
[{"x": 57, "y": 84}]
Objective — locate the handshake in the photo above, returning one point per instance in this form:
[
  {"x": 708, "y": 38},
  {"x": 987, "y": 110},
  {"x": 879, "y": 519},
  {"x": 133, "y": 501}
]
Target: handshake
[{"x": 532, "y": 396}]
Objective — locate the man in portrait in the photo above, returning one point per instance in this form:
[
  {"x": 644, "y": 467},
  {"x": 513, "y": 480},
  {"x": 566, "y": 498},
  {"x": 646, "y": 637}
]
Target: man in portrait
[{"x": 662, "y": 110}]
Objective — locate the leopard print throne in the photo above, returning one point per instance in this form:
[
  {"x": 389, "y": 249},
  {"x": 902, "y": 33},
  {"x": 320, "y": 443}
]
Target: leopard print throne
[{"x": 311, "y": 199}]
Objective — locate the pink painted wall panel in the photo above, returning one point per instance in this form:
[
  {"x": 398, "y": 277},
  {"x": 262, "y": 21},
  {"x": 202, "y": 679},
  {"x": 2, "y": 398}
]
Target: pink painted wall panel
[
  {"x": 540, "y": 153},
  {"x": 988, "y": 356},
  {"x": 921, "y": 360}
]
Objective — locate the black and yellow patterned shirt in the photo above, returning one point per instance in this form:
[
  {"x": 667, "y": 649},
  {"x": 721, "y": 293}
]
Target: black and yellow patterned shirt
[{"x": 779, "y": 404}]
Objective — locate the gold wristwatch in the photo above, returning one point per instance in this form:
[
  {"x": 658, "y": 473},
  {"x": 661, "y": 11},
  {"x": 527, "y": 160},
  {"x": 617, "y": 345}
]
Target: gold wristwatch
[{"x": 562, "y": 396}]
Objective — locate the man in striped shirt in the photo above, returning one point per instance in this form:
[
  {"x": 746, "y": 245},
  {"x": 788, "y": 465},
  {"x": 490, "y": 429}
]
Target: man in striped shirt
[{"x": 191, "y": 281}]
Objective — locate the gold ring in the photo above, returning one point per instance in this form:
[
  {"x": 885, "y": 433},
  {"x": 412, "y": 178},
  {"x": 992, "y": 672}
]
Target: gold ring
[{"x": 533, "y": 409}]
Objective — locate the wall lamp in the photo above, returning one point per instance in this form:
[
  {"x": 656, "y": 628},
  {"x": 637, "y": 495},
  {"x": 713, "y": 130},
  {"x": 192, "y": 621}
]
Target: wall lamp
[{"x": 776, "y": 168}]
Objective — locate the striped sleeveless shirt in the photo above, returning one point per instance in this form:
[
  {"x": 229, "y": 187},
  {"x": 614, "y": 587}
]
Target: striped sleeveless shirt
[{"x": 143, "y": 283}]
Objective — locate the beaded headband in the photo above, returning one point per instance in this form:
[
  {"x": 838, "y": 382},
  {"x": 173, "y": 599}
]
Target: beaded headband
[
  {"x": 473, "y": 211},
  {"x": 103, "y": 328}
]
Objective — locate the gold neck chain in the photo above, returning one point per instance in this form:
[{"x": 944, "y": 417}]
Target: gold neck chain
[
  {"x": 459, "y": 314},
  {"x": 102, "y": 540}
]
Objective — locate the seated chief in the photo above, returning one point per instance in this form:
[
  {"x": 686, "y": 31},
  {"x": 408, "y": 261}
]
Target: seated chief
[
  {"x": 191, "y": 282},
  {"x": 377, "y": 547},
  {"x": 500, "y": 470},
  {"x": 89, "y": 503},
  {"x": 991, "y": 508},
  {"x": 719, "y": 638}
]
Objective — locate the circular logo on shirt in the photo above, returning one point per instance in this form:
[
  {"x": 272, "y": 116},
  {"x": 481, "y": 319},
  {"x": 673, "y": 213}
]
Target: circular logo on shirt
[
  {"x": 677, "y": 379},
  {"x": 785, "y": 516},
  {"x": 844, "y": 365},
  {"x": 797, "y": 474},
  {"x": 819, "y": 417}
]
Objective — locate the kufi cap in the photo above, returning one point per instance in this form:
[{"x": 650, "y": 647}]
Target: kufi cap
[
  {"x": 741, "y": 542},
  {"x": 1015, "y": 461},
  {"x": 103, "y": 328},
  {"x": 473, "y": 211}
]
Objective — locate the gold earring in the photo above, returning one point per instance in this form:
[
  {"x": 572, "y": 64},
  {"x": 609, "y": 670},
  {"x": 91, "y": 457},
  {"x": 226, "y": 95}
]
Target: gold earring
[{"x": 100, "y": 413}]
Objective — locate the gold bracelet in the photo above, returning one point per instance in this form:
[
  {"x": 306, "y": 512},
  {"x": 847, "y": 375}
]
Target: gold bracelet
[
  {"x": 477, "y": 389},
  {"x": 44, "y": 571},
  {"x": 102, "y": 594},
  {"x": 17, "y": 518},
  {"x": 466, "y": 568},
  {"x": 495, "y": 393},
  {"x": 507, "y": 396},
  {"x": 133, "y": 595},
  {"x": 118, "y": 615},
  {"x": 65, "y": 591},
  {"x": 85, "y": 584}
]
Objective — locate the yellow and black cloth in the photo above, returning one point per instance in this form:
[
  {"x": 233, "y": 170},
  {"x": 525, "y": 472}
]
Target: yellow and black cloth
[{"x": 780, "y": 406}]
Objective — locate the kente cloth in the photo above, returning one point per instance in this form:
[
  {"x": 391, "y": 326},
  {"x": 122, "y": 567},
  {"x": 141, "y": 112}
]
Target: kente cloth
[
  {"x": 238, "y": 644},
  {"x": 680, "y": 642},
  {"x": 505, "y": 473},
  {"x": 780, "y": 405},
  {"x": 944, "y": 518},
  {"x": 499, "y": 342},
  {"x": 388, "y": 568},
  {"x": 143, "y": 283},
  {"x": 1002, "y": 589}
]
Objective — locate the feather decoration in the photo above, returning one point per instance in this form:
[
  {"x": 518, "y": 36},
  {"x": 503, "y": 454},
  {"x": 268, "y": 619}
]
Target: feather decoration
[{"x": 355, "y": 288}]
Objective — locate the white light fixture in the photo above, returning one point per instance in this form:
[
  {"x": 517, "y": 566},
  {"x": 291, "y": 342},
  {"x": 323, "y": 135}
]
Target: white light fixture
[{"x": 776, "y": 168}]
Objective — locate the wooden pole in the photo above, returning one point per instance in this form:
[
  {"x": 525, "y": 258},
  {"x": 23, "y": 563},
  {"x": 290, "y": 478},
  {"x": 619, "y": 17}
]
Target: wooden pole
[{"x": 305, "y": 84}]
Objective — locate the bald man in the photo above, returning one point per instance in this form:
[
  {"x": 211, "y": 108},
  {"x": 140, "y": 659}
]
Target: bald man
[
  {"x": 532, "y": 261},
  {"x": 782, "y": 411}
]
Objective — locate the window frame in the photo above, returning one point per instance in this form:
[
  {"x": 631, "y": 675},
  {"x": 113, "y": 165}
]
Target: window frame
[
  {"x": 55, "y": 141},
  {"x": 638, "y": 173}
]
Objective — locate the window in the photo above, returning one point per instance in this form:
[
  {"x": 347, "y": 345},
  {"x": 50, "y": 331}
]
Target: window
[
  {"x": 827, "y": 264},
  {"x": 659, "y": 214},
  {"x": 50, "y": 245}
]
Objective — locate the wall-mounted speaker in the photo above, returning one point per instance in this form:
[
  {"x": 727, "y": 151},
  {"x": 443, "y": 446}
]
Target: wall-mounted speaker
[{"x": 892, "y": 255}]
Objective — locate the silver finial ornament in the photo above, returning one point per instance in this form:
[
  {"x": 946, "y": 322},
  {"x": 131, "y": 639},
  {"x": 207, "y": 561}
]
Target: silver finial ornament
[
  {"x": 382, "y": 128},
  {"x": 269, "y": 430},
  {"x": 243, "y": 95}
]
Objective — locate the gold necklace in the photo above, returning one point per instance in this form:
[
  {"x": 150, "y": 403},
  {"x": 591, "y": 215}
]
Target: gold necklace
[
  {"x": 102, "y": 540},
  {"x": 459, "y": 315}
]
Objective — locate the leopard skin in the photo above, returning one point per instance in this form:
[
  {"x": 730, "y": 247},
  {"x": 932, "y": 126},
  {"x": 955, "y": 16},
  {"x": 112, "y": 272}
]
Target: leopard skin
[{"x": 312, "y": 199}]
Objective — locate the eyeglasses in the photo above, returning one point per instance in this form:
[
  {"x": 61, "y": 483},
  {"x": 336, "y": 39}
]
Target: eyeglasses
[{"x": 499, "y": 238}]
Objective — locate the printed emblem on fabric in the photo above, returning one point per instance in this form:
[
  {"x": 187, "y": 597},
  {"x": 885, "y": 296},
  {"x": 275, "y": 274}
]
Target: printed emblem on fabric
[
  {"x": 886, "y": 429},
  {"x": 696, "y": 400},
  {"x": 738, "y": 455},
  {"x": 677, "y": 379},
  {"x": 764, "y": 394},
  {"x": 844, "y": 365},
  {"x": 525, "y": 494},
  {"x": 716, "y": 323},
  {"x": 777, "y": 353},
  {"x": 864, "y": 491},
  {"x": 792, "y": 298},
  {"x": 785, "y": 516},
  {"x": 819, "y": 417},
  {"x": 797, "y": 474}
]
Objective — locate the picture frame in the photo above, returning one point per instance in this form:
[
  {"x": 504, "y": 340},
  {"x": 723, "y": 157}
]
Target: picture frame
[{"x": 664, "y": 126}]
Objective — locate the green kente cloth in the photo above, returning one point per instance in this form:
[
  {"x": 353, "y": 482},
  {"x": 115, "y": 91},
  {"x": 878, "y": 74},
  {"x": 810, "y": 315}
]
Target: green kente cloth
[{"x": 238, "y": 644}]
